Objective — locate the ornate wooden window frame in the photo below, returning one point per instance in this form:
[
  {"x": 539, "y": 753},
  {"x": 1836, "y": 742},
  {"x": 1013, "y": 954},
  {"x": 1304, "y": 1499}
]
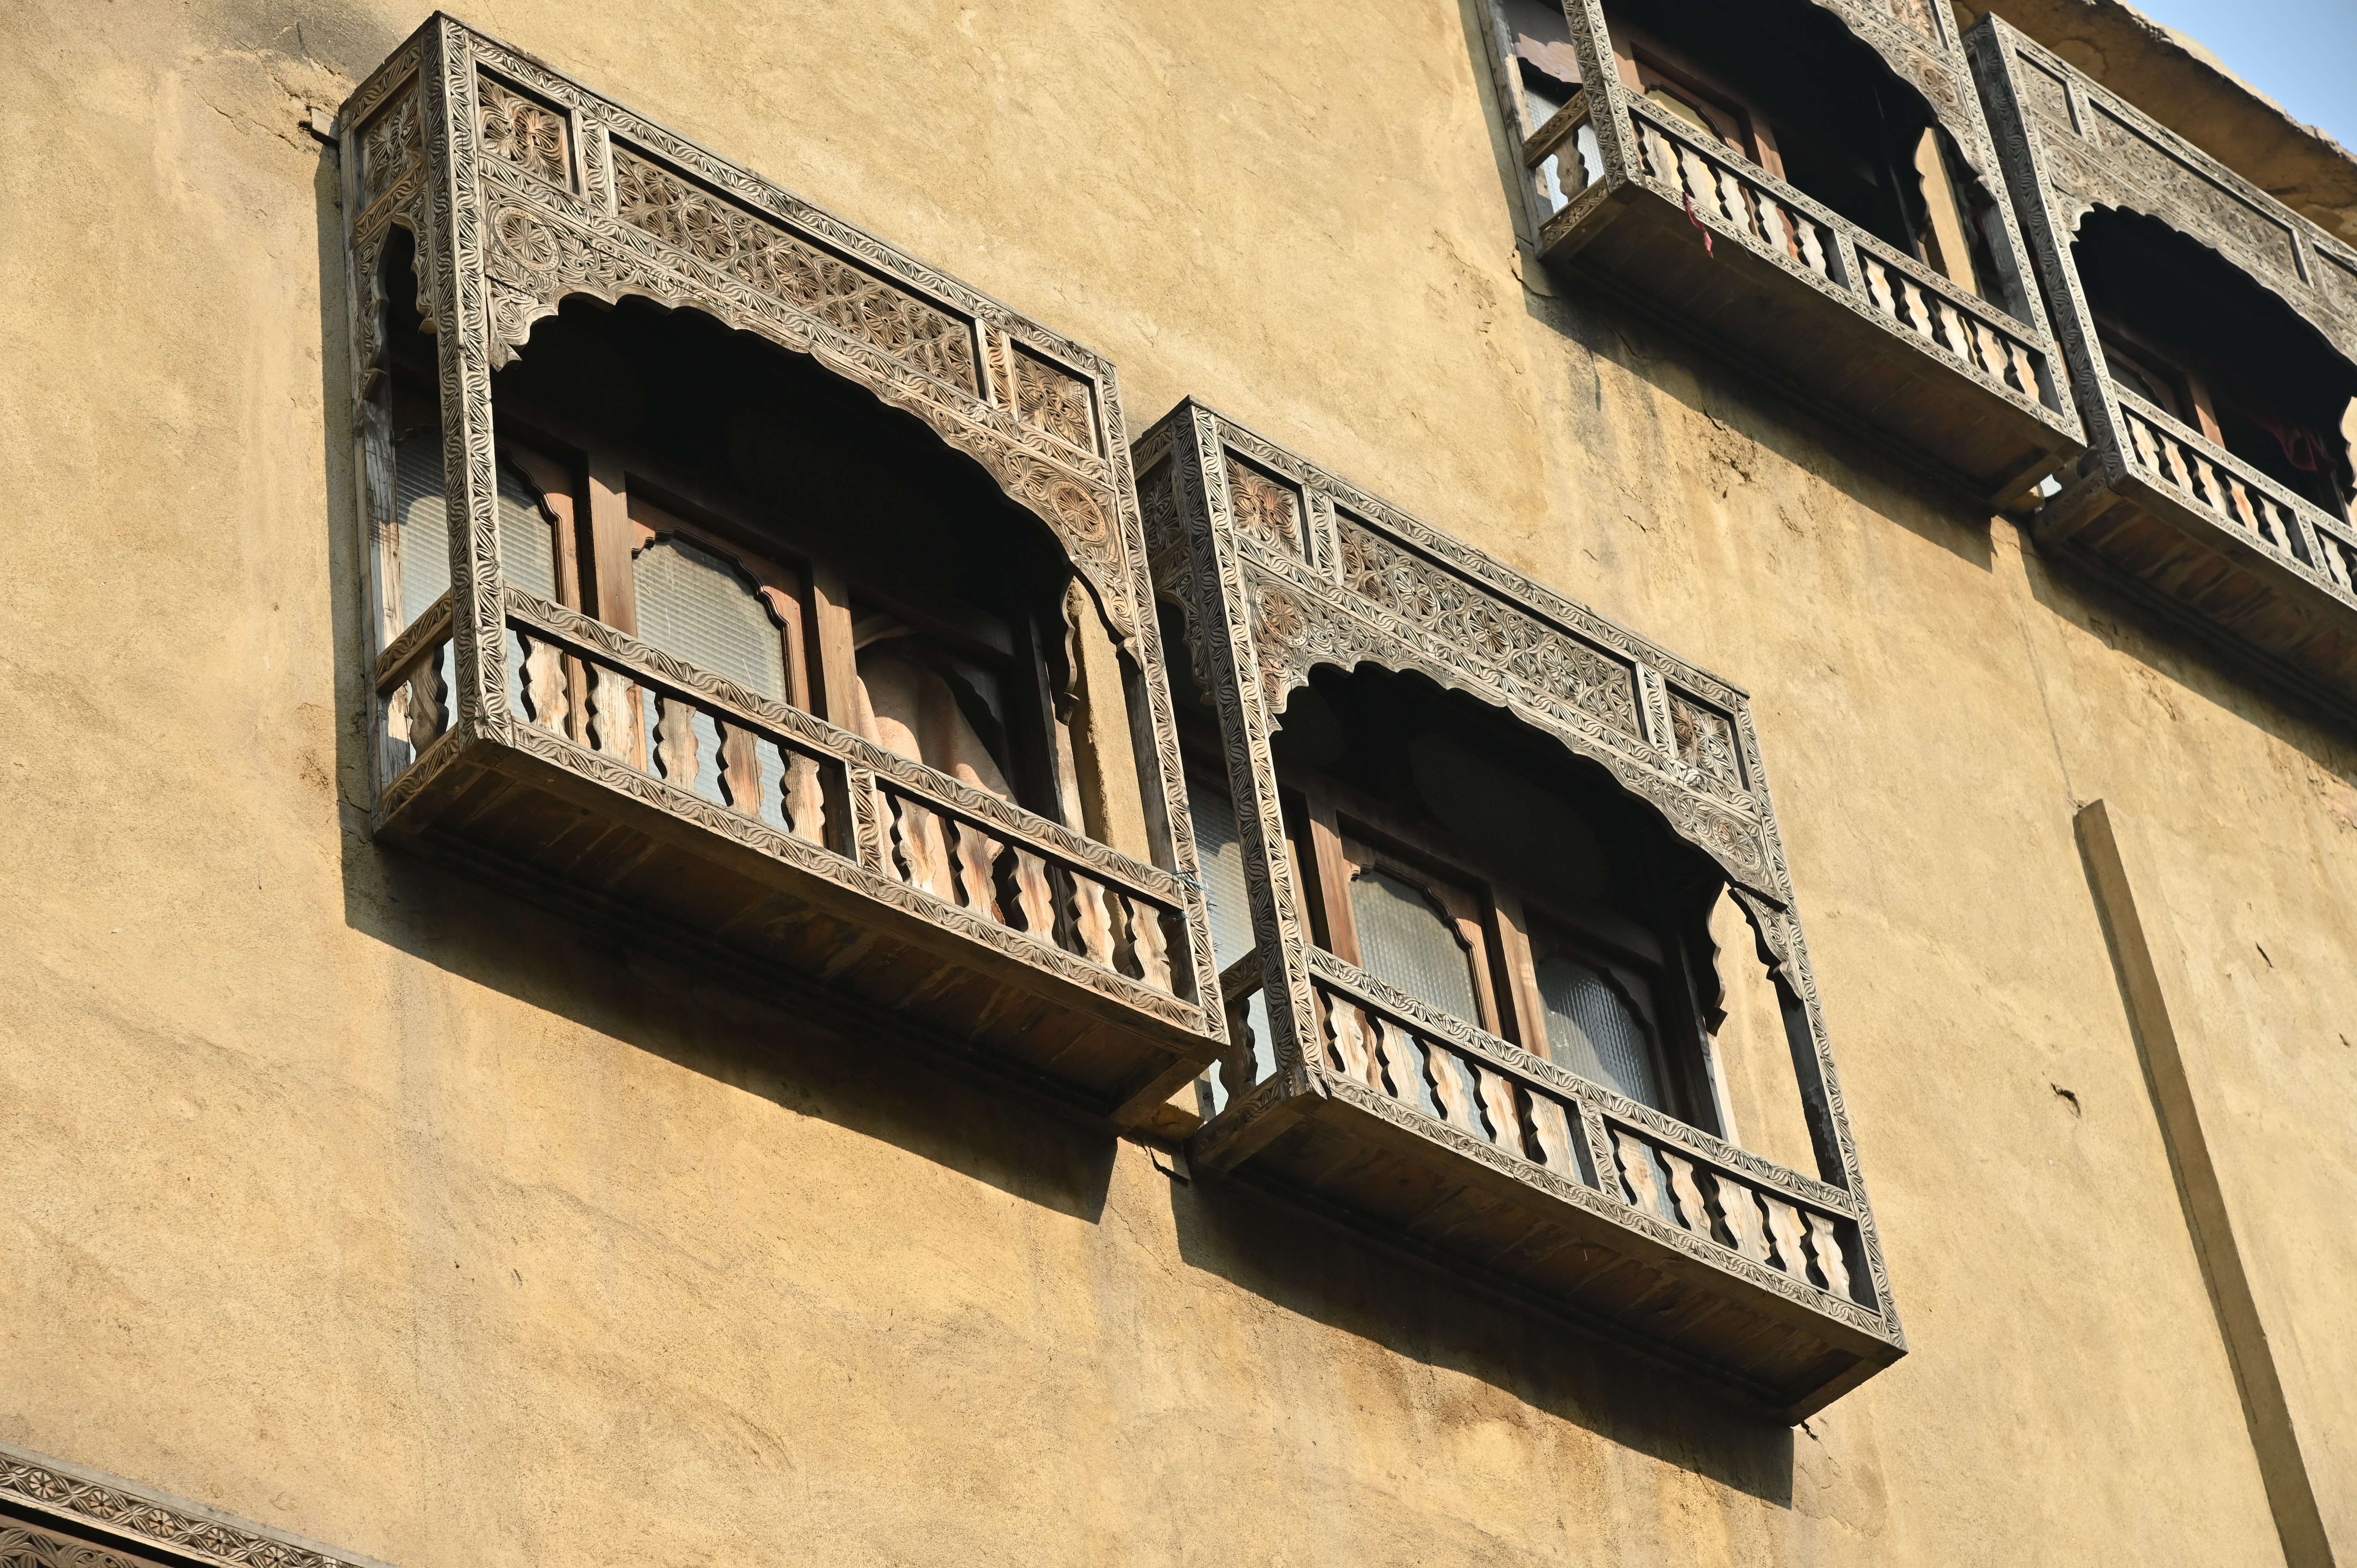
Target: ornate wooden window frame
[
  {"x": 1609, "y": 155},
  {"x": 1695, "y": 1229},
  {"x": 2156, "y": 506},
  {"x": 521, "y": 188}
]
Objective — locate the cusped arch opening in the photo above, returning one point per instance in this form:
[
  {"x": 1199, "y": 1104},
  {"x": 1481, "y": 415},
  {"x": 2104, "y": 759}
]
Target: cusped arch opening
[
  {"x": 747, "y": 510},
  {"x": 1793, "y": 87},
  {"x": 2183, "y": 328}
]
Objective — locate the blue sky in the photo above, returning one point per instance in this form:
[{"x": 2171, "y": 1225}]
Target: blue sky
[{"x": 2301, "y": 53}]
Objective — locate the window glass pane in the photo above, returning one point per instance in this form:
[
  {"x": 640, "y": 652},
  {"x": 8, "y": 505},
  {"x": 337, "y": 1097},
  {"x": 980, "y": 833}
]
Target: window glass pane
[
  {"x": 421, "y": 522},
  {"x": 692, "y": 604},
  {"x": 527, "y": 544},
  {"x": 1221, "y": 852},
  {"x": 1403, "y": 938},
  {"x": 1593, "y": 1031}
]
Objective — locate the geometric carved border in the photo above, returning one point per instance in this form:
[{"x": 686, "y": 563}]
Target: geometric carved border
[{"x": 147, "y": 1525}]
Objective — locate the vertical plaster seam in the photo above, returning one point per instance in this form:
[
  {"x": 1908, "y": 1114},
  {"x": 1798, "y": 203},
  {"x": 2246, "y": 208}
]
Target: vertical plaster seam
[{"x": 2290, "y": 1496}]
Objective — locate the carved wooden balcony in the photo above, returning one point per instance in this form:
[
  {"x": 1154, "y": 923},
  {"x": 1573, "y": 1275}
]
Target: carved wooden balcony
[
  {"x": 2161, "y": 504},
  {"x": 541, "y": 744},
  {"x": 1408, "y": 1118},
  {"x": 1633, "y": 200}
]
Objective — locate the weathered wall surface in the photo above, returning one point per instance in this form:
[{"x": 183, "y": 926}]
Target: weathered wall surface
[{"x": 351, "y": 1197}]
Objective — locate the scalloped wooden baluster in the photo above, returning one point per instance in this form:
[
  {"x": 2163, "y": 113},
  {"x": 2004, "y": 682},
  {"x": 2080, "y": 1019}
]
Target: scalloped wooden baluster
[
  {"x": 804, "y": 790},
  {"x": 740, "y": 768},
  {"x": 976, "y": 853},
  {"x": 1403, "y": 1063},
  {"x": 1452, "y": 1089},
  {"x": 1734, "y": 201},
  {"x": 1092, "y": 920},
  {"x": 1554, "y": 1131},
  {"x": 616, "y": 722},
  {"x": 544, "y": 684},
  {"x": 1914, "y": 312},
  {"x": 1635, "y": 1158},
  {"x": 1813, "y": 249},
  {"x": 429, "y": 697},
  {"x": 1738, "y": 1211},
  {"x": 1692, "y": 1213},
  {"x": 2140, "y": 443},
  {"x": 1504, "y": 1106},
  {"x": 1878, "y": 284},
  {"x": 923, "y": 858},
  {"x": 1034, "y": 894},
  {"x": 1826, "y": 1244},
  {"x": 1149, "y": 942},
  {"x": 675, "y": 748},
  {"x": 2025, "y": 368},
  {"x": 1345, "y": 1029},
  {"x": 1784, "y": 1226},
  {"x": 399, "y": 751}
]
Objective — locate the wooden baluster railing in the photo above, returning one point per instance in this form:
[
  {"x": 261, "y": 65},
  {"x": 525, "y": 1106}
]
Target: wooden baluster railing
[
  {"x": 977, "y": 861},
  {"x": 803, "y": 797},
  {"x": 1692, "y": 1213},
  {"x": 1452, "y": 1089},
  {"x": 1635, "y": 1158},
  {"x": 617, "y": 721},
  {"x": 1034, "y": 894},
  {"x": 1784, "y": 1226},
  {"x": 1093, "y": 920},
  {"x": 676, "y": 753},
  {"x": 1738, "y": 1214},
  {"x": 1827, "y": 1245},
  {"x": 1552, "y": 1129},
  {"x": 1502, "y": 1105},
  {"x": 923, "y": 856},
  {"x": 1149, "y": 941},
  {"x": 740, "y": 768},
  {"x": 544, "y": 684}
]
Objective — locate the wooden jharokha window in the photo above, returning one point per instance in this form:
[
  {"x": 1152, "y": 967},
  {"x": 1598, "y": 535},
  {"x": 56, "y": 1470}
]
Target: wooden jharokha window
[
  {"x": 757, "y": 518},
  {"x": 1454, "y": 858}
]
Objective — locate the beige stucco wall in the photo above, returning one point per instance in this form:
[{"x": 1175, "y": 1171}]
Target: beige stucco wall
[{"x": 351, "y": 1196}]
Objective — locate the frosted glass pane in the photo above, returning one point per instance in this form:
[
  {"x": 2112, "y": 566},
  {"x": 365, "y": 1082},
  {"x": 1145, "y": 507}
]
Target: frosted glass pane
[
  {"x": 692, "y": 604},
  {"x": 527, "y": 544},
  {"x": 422, "y": 516},
  {"x": 1220, "y": 853},
  {"x": 422, "y": 522},
  {"x": 1405, "y": 941},
  {"x": 1593, "y": 1031}
]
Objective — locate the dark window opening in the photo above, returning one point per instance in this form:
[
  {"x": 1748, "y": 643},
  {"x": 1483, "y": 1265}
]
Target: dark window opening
[
  {"x": 750, "y": 513},
  {"x": 1475, "y": 866},
  {"x": 1791, "y": 88},
  {"x": 2185, "y": 330}
]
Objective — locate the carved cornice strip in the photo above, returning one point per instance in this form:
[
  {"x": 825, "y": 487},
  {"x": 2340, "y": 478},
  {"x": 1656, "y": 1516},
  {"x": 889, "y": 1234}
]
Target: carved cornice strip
[{"x": 142, "y": 1517}]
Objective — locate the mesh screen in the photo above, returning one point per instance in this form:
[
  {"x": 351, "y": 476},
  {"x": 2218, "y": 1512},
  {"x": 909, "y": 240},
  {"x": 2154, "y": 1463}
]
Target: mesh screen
[
  {"x": 422, "y": 514},
  {"x": 1405, "y": 941},
  {"x": 421, "y": 522},
  {"x": 527, "y": 542},
  {"x": 1222, "y": 853},
  {"x": 692, "y": 604},
  {"x": 1593, "y": 1031}
]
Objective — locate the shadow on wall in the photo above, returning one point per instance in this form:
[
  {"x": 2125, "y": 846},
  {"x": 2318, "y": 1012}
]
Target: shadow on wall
[
  {"x": 1710, "y": 389},
  {"x": 1415, "y": 1312},
  {"x": 2180, "y": 649},
  {"x": 624, "y": 984}
]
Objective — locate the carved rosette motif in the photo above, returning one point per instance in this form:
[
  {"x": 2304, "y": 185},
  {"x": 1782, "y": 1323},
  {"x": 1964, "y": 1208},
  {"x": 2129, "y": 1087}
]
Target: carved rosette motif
[
  {"x": 1051, "y": 399},
  {"x": 1269, "y": 508},
  {"x": 528, "y": 135}
]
